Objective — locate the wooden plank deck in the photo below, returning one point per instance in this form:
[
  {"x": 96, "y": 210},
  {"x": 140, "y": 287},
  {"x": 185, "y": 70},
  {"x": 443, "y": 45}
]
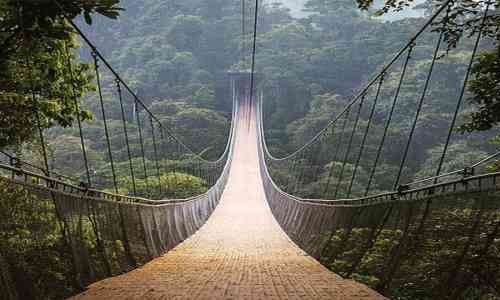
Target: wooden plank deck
[{"x": 240, "y": 253}]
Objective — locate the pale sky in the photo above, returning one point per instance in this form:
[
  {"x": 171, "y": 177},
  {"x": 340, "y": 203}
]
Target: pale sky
[{"x": 296, "y": 6}]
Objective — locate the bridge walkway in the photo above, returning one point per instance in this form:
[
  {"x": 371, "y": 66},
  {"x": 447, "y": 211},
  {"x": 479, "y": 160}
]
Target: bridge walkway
[{"x": 240, "y": 253}]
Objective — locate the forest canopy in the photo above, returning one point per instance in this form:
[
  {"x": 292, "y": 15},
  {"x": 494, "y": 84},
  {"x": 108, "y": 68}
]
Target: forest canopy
[{"x": 174, "y": 56}]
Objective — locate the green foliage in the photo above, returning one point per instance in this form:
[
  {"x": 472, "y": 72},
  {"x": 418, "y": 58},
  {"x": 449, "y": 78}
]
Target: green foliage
[
  {"x": 311, "y": 66},
  {"x": 460, "y": 154},
  {"x": 466, "y": 18},
  {"x": 428, "y": 258},
  {"x": 65, "y": 155},
  {"x": 173, "y": 185},
  {"x": 185, "y": 32},
  {"x": 35, "y": 83},
  {"x": 40, "y": 67},
  {"x": 32, "y": 247},
  {"x": 199, "y": 127},
  {"x": 323, "y": 109},
  {"x": 485, "y": 87},
  {"x": 204, "y": 97}
]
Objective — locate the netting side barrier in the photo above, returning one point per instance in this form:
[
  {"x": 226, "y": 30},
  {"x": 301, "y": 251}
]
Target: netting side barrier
[
  {"x": 84, "y": 235},
  {"x": 441, "y": 241}
]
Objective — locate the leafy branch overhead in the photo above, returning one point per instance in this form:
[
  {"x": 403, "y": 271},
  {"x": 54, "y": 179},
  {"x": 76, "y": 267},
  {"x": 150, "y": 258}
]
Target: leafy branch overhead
[{"x": 36, "y": 44}]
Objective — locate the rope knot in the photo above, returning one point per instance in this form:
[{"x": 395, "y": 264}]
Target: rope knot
[{"x": 402, "y": 188}]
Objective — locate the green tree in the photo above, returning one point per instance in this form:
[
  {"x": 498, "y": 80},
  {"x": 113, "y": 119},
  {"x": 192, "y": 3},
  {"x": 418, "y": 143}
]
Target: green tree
[
  {"x": 31, "y": 245},
  {"x": 35, "y": 46},
  {"x": 485, "y": 87},
  {"x": 204, "y": 97},
  {"x": 466, "y": 18},
  {"x": 185, "y": 32}
]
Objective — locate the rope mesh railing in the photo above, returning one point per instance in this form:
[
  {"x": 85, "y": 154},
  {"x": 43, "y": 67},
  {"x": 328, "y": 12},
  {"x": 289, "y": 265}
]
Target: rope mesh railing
[
  {"x": 434, "y": 242},
  {"x": 409, "y": 236},
  {"x": 99, "y": 234},
  {"x": 435, "y": 237},
  {"x": 130, "y": 190}
]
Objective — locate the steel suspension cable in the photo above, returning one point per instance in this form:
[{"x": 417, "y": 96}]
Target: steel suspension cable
[
  {"x": 290, "y": 178},
  {"x": 337, "y": 150},
  {"x": 182, "y": 167},
  {"x": 103, "y": 112},
  {"x": 127, "y": 139},
  {"x": 332, "y": 134},
  {"x": 41, "y": 120},
  {"x": 34, "y": 100},
  {"x": 118, "y": 77},
  {"x": 40, "y": 130},
  {"x": 314, "y": 163},
  {"x": 389, "y": 119},
  {"x": 164, "y": 148},
  {"x": 302, "y": 163},
  {"x": 199, "y": 171},
  {"x": 313, "y": 157},
  {"x": 254, "y": 47},
  {"x": 155, "y": 153},
  {"x": 365, "y": 135},
  {"x": 349, "y": 145},
  {"x": 78, "y": 111},
  {"x": 419, "y": 109},
  {"x": 141, "y": 141},
  {"x": 60, "y": 220},
  {"x": 462, "y": 92},
  {"x": 373, "y": 81}
]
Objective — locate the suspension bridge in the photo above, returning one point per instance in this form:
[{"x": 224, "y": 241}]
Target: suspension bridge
[{"x": 256, "y": 233}]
